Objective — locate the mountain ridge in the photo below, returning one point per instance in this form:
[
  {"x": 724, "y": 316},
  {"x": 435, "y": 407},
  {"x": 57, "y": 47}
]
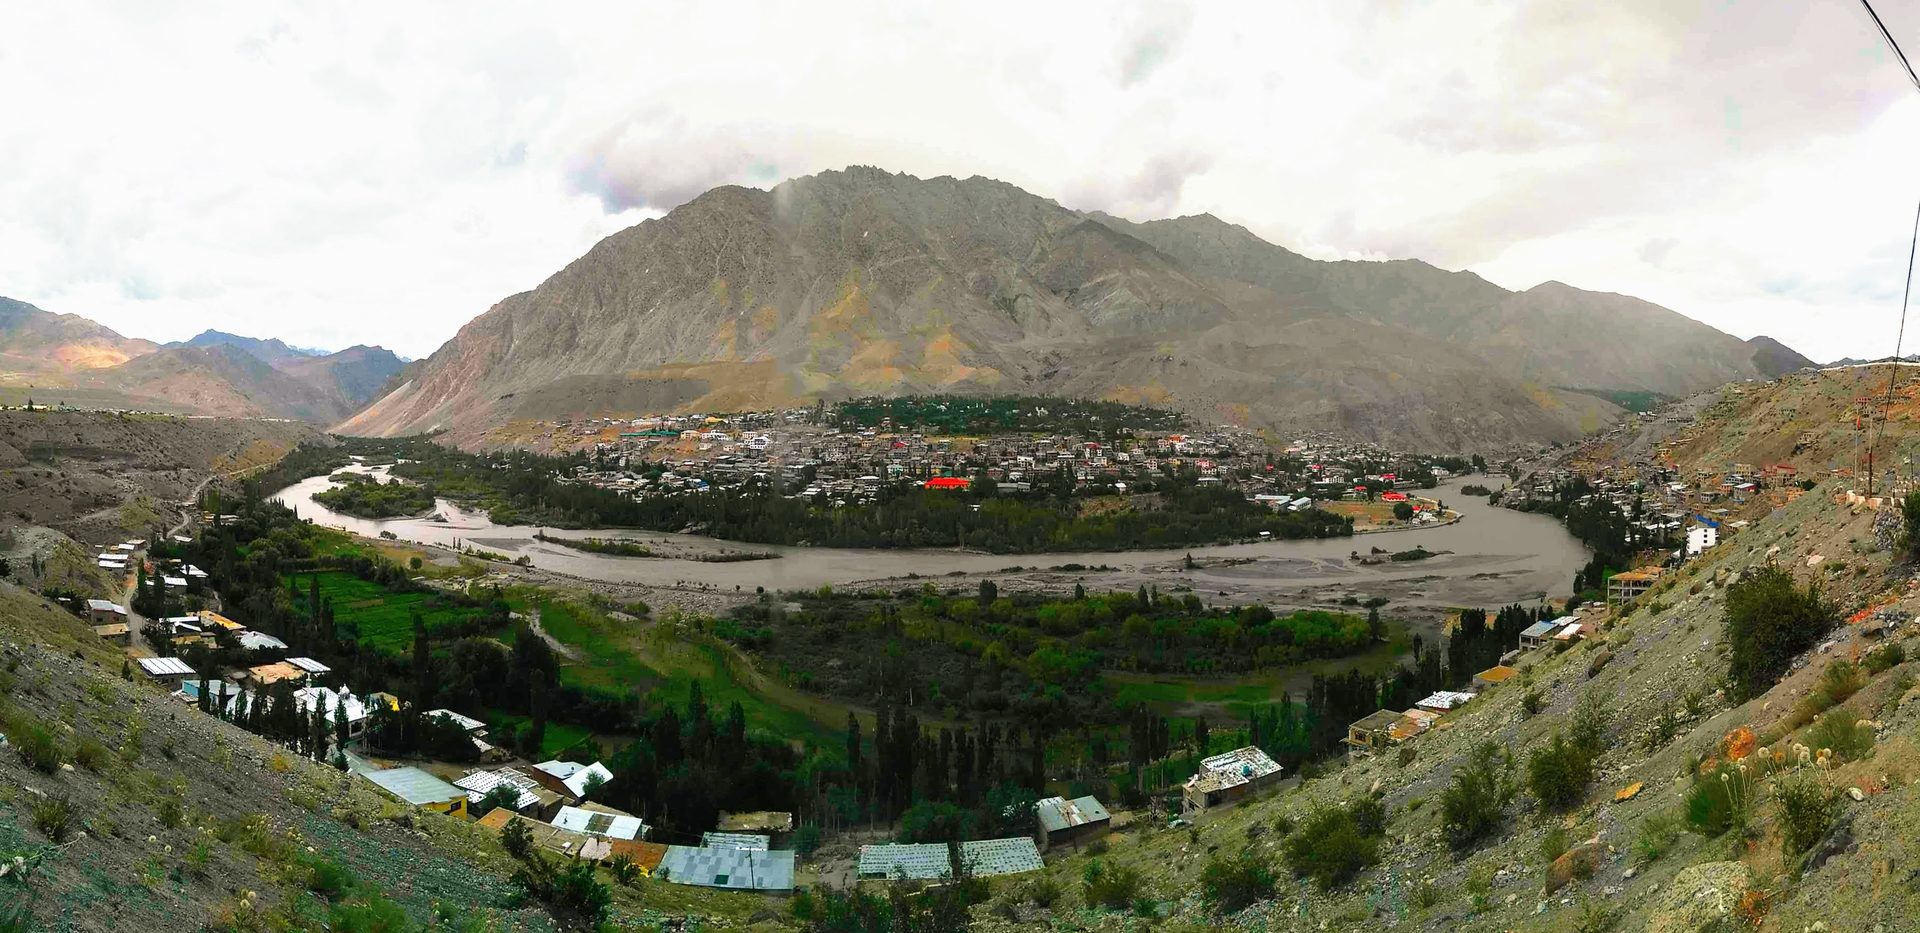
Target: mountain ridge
[{"x": 868, "y": 282}]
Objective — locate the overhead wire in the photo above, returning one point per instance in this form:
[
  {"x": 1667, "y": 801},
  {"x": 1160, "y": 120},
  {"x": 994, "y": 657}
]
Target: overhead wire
[{"x": 1906, "y": 290}]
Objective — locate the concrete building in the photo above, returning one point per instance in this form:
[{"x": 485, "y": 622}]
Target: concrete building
[{"x": 1228, "y": 778}]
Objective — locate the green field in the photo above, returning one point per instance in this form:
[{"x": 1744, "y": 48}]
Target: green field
[
  {"x": 383, "y": 617},
  {"x": 663, "y": 664},
  {"x": 559, "y": 736}
]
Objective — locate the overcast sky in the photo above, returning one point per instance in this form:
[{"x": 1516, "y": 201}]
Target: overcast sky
[{"x": 339, "y": 173}]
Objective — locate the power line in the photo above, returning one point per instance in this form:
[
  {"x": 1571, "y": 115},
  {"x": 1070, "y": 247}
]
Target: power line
[
  {"x": 1906, "y": 289},
  {"x": 1884, "y": 34}
]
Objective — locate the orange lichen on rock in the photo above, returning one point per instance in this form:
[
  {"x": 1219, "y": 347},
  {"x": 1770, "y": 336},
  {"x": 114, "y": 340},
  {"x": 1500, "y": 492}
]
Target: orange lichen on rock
[{"x": 1738, "y": 744}]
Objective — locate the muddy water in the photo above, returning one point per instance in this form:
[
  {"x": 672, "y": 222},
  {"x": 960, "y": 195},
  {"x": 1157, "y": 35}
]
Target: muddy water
[{"x": 1495, "y": 556}]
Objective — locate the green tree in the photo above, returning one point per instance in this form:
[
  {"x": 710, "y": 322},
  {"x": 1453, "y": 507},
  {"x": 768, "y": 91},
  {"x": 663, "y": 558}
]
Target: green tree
[
  {"x": 1472, "y": 804},
  {"x": 1769, "y": 622}
]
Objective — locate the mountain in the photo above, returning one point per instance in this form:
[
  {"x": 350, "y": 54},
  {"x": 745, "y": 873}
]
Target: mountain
[
  {"x": 69, "y": 359},
  {"x": 357, "y": 374},
  {"x": 1774, "y": 358},
  {"x": 271, "y": 351},
  {"x": 865, "y": 282},
  {"x": 33, "y": 340}
]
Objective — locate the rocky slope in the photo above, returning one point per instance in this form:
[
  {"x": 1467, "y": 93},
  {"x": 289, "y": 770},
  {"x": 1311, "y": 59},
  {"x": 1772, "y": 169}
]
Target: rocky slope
[
  {"x": 862, "y": 282},
  {"x": 1636, "y": 876}
]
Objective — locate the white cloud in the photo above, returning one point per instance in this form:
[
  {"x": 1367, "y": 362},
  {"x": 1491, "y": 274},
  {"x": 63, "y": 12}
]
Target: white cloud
[{"x": 333, "y": 174}]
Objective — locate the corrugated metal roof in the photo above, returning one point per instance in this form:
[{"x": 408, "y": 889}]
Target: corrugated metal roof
[
  {"x": 414, "y": 786},
  {"x": 165, "y": 667},
  {"x": 309, "y": 665},
  {"x": 595, "y": 823},
  {"x": 739, "y": 869},
  {"x": 988, "y": 857},
  {"x": 911, "y": 861},
  {"x": 1058, "y": 813},
  {"x": 478, "y": 783}
]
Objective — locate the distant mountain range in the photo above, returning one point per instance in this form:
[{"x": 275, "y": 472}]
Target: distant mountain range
[
  {"x": 67, "y": 357},
  {"x": 863, "y": 282}
]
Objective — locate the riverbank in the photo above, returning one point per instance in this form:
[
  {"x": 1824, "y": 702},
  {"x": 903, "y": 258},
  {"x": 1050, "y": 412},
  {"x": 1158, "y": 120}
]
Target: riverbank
[{"x": 1499, "y": 557}]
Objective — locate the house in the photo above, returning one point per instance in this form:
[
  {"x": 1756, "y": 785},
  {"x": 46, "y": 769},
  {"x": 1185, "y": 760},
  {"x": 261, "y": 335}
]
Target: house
[
  {"x": 1539, "y": 633},
  {"x": 1622, "y": 587},
  {"x": 1228, "y": 778},
  {"x": 601, "y": 821},
  {"x": 1701, "y": 537},
  {"x": 1494, "y": 676},
  {"x": 102, "y": 612},
  {"x": 1071, "y": 822},
  {"x": 986, "y": 858},
  {"x": 646, "y": 856},
  {"x": 414, "y": 786},
  {"x": 261, "y": 676},
  {"x": 261, "y": 641},
  {"x": 167, "y": 671},
  {"x": 115, "y": 632},
  {"x": 308, "y": 667},
  {"x": 1371, "y": 733},
  {"x": 739, "y": 869},
  {"x": 534, "y": 800},
  {"x": 904, "y": 861},
  {"x": 570, "y": 777},
  {"x": 1444, "y": 701},
  {"x": 221, "y": 693},
  {"x": 211, "y": 620},
  {"x": 334, "y": 703}
]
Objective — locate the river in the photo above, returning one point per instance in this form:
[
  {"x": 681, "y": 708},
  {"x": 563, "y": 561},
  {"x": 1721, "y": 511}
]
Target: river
[{"x": 1494, "y": 556}]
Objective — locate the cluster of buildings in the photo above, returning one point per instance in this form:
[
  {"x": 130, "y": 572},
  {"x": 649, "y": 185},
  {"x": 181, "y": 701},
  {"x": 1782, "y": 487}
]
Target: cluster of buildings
[
  {"x": 682, "y": 454},
  {"x": 1386, "y": 728}
]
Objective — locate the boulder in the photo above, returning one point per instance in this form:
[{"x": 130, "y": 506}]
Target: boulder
[
  {"x": 1699, "y": 897},
  {"x": 1577, "y": 862}
]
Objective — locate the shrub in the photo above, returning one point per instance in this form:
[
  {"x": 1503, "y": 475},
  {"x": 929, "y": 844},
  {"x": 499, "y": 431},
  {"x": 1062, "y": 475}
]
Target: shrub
[
  {"x": 1471, "y": 804},
  {"x": 91, "y": 755},
  {"x": 1229, "y": 885},
  {"x": 1665, "y": 726},
  {"x": 53, "y": 816},
  {"x": 1043, "y": 892},
  {"x": 37, "y": 745},
  {"x": 1532, "y": 702},
  {"x": 1558, "y": 773},
  {"x": 170, "y": 812},
  {"x": 1329, "y": 848},
  {"x": 1588, "y": 731},
  {"x": 329, "y": 879},
  {"x": 1806, "y": 807},
  {"x": 1841, "y": 680},
  {"x": 807, "y": 840},
  {"x": 571, "y": 892},
  {"x": 1769, "y": 623},
  {"x": 1885, "y": 656},
  {"x": 623, "y": 869},
  {"x": 1369, "y": 816},
  {"x": 1843, "y": 732},
  {"x": 1658, "y": 832},
  {"x": 1553, "y": 844},
  {"x": 1719, "y": 800},
  {"x": 1111, "y": 886}
]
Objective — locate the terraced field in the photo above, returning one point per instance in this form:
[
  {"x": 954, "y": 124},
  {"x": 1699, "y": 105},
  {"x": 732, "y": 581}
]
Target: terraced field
[{"x": 384, "y": 618}]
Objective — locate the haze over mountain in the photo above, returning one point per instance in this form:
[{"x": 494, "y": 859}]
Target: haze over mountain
[
  {"x": 214, "y": 373},
  {"x": 864, "y": 282}
]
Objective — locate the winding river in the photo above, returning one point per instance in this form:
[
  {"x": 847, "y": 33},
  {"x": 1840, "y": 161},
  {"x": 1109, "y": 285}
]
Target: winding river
[{"x": 1493, "y": 556}]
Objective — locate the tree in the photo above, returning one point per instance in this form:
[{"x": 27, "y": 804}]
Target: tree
[
  {"x": 1231, "y": 884},
  {"x": 1402, "y": 511},
  {"x": 1329, "y": 848},
  {"x": 1769, "y": 623},
  {"x": 534, "y": 736},
  {"x": 1910, "y": 511},
  {"x": 1471, "y": 805},
  {"x": 1558, "y": 773}
]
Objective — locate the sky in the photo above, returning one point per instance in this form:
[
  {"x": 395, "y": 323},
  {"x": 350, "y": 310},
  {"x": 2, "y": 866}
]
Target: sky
[{"x": 341, "y": 173}]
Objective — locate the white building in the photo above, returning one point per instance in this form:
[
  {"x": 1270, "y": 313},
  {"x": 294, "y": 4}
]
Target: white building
[{"x": 1701, "y": 537}]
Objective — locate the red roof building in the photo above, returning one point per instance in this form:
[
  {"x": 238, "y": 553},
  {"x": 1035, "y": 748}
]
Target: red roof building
[
  {"x": 1393, "y": 497},
  {"x": 947, "y": 482}
]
